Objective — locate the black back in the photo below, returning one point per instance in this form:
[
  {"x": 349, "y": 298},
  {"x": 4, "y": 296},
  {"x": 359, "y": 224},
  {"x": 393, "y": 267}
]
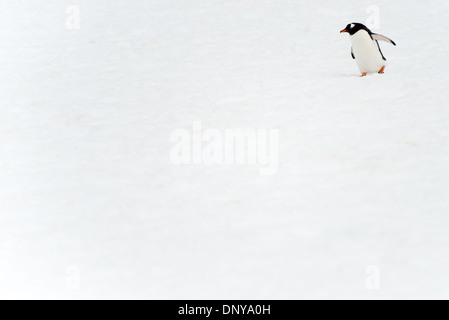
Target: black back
[{"x": 352, "y": 28}]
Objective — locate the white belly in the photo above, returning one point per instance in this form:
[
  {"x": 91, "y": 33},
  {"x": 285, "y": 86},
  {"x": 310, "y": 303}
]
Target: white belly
[{"x": 366, "y": 52}]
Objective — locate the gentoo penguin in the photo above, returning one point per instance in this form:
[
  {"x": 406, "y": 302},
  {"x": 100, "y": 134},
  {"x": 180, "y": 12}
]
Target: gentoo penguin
[{"x": 365, "y": 48}]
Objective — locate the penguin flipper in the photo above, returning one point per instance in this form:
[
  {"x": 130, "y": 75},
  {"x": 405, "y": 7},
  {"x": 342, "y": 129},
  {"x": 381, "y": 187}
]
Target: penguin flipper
[
  {"x": 352, "y": 53},
  {"x": 382, "y": 38}
]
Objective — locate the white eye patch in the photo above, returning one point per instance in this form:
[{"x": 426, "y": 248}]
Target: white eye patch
[{"x": 352, "y": 25}]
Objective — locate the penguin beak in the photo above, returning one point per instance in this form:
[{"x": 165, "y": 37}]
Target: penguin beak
[{"x": 344, "y": 30}]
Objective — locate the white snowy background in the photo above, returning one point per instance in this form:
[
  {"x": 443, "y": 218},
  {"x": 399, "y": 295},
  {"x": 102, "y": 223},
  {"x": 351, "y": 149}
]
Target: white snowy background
[{"x": 92, "y": 207}]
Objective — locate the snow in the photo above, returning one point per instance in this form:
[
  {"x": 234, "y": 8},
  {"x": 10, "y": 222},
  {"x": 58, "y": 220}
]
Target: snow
[{"x": 92, "y": 206}]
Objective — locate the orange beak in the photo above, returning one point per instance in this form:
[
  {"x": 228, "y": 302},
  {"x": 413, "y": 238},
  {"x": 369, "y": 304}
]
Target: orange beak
[{"x": 344, "y": 30}]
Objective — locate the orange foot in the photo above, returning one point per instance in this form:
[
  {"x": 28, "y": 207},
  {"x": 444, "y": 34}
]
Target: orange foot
[
  {"x": 382, "y": 70},
  {"x": 363, "y": 74}
]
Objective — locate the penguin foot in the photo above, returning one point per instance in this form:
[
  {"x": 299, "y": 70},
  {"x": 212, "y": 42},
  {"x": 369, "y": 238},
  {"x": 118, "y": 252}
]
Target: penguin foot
[
  {"x": 381, "y": 71},
  {"x": 363, "y": 74}
]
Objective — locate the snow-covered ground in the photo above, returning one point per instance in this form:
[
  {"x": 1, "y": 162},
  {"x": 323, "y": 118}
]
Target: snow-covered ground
[{"x": 92, "y": 206}]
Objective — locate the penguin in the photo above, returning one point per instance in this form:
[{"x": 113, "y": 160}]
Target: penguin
[{"x": 366, "y": 49}]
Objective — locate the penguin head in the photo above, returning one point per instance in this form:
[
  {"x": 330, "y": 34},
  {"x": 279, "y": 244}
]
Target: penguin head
[{"x": 352, "y": 28}]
